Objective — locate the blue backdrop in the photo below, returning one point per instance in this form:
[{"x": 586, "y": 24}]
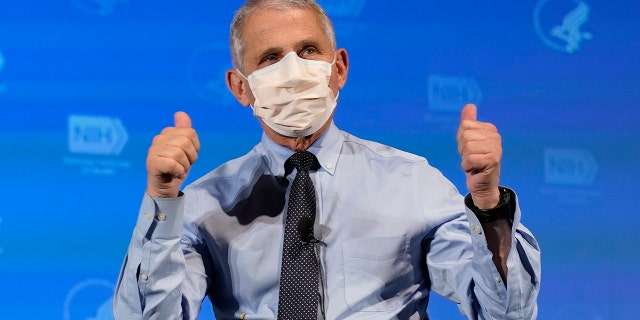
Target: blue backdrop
[{"x": 86, "y": 84}]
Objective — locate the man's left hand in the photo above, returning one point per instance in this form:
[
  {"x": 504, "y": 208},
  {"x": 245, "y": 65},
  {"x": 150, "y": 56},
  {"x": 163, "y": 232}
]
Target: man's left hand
[{"x": 480, "y": 146}]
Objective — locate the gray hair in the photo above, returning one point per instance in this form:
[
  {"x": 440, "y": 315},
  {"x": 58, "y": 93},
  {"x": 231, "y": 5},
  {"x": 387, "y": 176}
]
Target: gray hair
[{"x": 235, "y": 37}]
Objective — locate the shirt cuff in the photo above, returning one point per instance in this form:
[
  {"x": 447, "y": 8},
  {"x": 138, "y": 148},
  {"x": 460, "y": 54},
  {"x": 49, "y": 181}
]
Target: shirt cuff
[
  {"x": 477, "y": 232},
  {"x": 161, "y": 216}
]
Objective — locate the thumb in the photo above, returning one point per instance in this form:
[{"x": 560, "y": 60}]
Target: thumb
[
  {"x": 182, "y": 120},
  {"x": 469, "y": 112}
]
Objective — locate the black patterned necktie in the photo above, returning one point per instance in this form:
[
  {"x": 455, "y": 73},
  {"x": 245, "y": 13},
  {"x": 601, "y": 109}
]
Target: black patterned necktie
[{"x": 299, "y": 272}]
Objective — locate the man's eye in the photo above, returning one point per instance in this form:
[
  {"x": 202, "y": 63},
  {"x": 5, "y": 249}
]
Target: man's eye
[
  {"x": 309, "y": 51},
  {"x": 270, "y": 58}
]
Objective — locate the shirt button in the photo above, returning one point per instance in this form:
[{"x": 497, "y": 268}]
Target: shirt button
[
  {"x": 498, "y": 279},
  {"x": 329, "y": 166},
  {"x": 144, "y": 277},
  {"x": 148, "y": 215},
  {"x": 162, "y": 217}
]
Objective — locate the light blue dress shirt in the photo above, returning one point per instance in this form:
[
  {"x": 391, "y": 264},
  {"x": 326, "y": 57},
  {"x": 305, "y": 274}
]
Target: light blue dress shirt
[{"x": 392, "y": 228}]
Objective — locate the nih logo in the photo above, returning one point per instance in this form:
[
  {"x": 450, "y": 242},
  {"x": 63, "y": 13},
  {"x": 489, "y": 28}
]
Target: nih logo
[
  {"x": 96, "y": 135},
  {"x": 343, "y": 8},
  {"x": 572, "y": 167},
  {"x": 448, "y": 93}
]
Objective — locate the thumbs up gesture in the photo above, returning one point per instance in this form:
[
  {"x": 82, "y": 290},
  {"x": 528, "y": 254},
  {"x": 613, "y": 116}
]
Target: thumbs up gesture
[
  {"x": 480, "y": 146},
  {"x": 170, "y": 157}
]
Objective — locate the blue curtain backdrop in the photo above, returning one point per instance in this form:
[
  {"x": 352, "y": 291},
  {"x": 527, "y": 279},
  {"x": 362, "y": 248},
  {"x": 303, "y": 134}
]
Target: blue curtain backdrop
[{"x": 86, "y": 84}]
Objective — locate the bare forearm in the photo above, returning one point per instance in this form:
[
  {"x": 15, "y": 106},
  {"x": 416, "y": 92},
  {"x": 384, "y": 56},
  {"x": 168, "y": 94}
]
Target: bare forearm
[{"x": 498, "y": 234}]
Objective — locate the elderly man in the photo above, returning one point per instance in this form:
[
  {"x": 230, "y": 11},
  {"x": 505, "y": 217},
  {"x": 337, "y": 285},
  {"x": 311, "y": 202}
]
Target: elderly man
[{"x": 314, "y": 222}]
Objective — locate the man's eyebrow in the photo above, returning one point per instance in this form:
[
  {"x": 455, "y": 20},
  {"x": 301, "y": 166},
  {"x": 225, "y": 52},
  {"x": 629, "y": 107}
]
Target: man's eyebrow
[
  {"x": 270, "y": 50},
  {"x": 308, "y": 42}
]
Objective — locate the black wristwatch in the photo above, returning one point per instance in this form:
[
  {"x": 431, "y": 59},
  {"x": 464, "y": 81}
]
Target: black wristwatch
[{"x": 505, "y": 209}]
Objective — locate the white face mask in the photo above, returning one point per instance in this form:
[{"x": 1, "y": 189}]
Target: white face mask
[{"x": 293, "y": 96}]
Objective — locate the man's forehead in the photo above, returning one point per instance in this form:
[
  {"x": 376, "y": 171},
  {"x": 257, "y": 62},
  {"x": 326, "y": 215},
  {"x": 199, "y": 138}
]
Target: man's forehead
[{"x": 267, "y": 28}]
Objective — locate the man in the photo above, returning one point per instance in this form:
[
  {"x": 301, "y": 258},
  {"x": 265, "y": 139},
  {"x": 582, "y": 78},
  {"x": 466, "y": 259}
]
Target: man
[{"x": 384, "y": 230}]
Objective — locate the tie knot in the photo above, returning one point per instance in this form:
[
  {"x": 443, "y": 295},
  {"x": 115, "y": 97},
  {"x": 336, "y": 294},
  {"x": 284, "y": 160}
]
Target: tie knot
[{"x": 303, "y": 160}]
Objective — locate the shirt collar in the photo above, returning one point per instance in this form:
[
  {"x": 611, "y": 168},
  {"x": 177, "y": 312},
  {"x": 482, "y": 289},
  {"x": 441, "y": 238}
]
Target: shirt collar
[{"x": 326, "y": 148}]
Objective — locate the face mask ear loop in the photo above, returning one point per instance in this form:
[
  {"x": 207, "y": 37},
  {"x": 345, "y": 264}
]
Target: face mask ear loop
[
  {"x": 242, "y": 75},
  {"x": 247, "y": 79}
]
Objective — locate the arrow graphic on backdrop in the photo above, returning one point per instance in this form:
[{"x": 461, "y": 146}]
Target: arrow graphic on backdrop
[
  {"x": 96, "y": 135},
  {"x": 100, "y": 7},
  {"x": 2, "y": 61}
]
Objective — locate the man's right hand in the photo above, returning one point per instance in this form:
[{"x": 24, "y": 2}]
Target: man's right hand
[{"x": 170, "y": 157}]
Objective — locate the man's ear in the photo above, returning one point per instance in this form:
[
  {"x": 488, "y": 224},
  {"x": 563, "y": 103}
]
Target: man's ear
[
  {"x": 238, "y": 86},
  {"x": 342, "y": 64}
]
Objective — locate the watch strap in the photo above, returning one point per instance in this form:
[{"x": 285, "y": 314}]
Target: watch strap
[{"x": 505, "y": 209}]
